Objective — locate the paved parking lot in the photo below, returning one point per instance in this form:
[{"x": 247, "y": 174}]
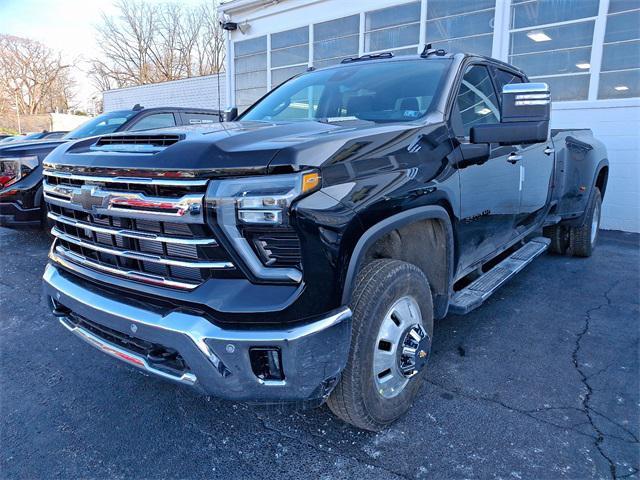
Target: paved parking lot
[{"x": 541, "y": 382}]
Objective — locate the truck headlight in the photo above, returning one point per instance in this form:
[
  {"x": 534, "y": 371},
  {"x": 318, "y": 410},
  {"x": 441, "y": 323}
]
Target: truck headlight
[
  {"x": 15, "y": 168},
  {"x": 258, "y": 202}
]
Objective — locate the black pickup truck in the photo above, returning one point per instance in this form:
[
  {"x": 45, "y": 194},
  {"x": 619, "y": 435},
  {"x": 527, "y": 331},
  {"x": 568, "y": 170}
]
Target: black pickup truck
[
  {"x": 302, "y": 252},
  {"x": 21, "y": 201}
]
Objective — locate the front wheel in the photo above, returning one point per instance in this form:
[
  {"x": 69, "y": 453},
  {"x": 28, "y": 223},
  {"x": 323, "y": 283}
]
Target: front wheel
[{"x": 390, "y": 345}]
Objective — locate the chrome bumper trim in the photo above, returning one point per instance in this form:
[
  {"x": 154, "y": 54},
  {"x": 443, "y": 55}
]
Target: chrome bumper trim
[
  {"x": 124, "y": 355},
  {"x": 313, "y": 354},
  {"x": 131, "y": 233},
  {"x": 140, "y": 255}
]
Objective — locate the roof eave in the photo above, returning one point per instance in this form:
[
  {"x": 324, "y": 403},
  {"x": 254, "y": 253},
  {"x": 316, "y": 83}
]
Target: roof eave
[{"x": 236, "y": 6}]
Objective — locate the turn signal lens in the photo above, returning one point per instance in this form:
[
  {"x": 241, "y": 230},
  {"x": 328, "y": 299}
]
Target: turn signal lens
[{"x": 310, "y": 181}]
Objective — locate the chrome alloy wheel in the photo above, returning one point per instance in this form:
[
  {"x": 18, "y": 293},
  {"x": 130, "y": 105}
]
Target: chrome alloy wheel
[
  {"x": 595, "y": 223},
  {"x": 402, "y": 348}
]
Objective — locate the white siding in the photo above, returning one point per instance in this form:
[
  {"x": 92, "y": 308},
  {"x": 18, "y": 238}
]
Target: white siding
[
  {"x": 618, "y": 126},
  {"x": 200, "y": 92}
]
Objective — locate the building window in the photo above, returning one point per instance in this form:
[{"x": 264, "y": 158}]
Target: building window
[
  {"x": 620, "y": 71},
  {"x": 461, "y": 26},
  {"x": 289, "y": 54},
  {"x": 335, "y": 40},
  {"x": 551, "y": 41},
  {"x": 250, "y": 70},
  {"x": 393, "y": 29}
]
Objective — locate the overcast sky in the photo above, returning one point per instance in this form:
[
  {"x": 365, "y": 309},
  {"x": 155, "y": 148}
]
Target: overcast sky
[{"x": 65, "y": 25}]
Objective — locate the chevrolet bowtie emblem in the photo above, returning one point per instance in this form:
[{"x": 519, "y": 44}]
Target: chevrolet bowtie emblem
[{"x": 89, "y": 197}]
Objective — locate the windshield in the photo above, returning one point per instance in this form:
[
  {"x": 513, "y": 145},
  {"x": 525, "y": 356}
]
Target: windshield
[
  {"x": 397, "y": 91},
  {"x": 100, "y": 125}
]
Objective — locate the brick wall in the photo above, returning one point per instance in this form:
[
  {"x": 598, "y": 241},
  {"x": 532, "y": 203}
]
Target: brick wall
[{"x": 201, "y": 92}]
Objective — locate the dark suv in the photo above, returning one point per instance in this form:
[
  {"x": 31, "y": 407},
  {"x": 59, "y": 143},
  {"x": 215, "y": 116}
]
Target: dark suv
[
  {"x": 303, "y": 252},
  {"x": 21, "y": 200}
]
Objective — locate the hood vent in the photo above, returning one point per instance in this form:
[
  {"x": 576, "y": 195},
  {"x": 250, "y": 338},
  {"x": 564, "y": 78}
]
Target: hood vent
[{"x": 157, "y": 141}]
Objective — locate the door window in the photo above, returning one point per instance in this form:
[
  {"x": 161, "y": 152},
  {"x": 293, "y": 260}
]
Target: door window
[
  {"x": 157, "y": 120},
  {"x": 476, "y": 103},
  {"x": 506, "y": 78},
  {"x": 200, "y": 118}
]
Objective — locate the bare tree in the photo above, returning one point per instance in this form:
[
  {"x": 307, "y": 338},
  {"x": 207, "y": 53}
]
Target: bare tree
[
  {"x": 33, "y": 78},
  {"x": 151, "y": 42}
]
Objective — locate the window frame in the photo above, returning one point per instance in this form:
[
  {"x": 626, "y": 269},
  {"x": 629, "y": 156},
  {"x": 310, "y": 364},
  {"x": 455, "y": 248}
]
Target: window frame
[{"x": 454, "y": 118}]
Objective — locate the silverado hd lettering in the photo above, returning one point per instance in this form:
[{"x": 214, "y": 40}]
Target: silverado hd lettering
[{"x": 301, "y": 252}]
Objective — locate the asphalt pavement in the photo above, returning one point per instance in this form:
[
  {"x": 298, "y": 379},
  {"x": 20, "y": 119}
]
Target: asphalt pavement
[{"x": 541, "y": 382}]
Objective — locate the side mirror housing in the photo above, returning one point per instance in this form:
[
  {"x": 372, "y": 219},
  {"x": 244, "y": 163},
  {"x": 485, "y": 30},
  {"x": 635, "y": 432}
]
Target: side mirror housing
[
  {"x": 230, "y": 114},
  {"x": 525, "y": 112},
  {"x": 526, "y": 102}
]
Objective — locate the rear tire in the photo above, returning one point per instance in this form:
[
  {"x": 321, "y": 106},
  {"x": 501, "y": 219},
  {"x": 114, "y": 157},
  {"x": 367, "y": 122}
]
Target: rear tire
[
  {"x": 582, "y": 240},
  {"x": 386, "y": 291},
  {"x": 559, "y": 236}
]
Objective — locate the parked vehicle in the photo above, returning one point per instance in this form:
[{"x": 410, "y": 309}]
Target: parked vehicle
[
  {"x": 21, "y": 201},
  {"x": 303, "y": 252},
  {"x": 11, "y": 138},
  {"x": 42, "y": 135}
]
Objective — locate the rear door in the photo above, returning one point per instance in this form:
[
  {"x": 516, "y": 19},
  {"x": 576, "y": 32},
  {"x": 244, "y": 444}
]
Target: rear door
[
  {"x": 490, "y": 192},
  {"x": 536, "y": 168}
]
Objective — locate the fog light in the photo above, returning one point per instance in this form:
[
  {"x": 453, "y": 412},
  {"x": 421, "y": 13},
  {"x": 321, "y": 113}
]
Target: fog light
[{"x": 266, "y": 363}]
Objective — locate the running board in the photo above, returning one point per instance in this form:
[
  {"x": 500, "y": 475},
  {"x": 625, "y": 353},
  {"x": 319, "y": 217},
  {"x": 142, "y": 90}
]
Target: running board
[{"x": 484, "y": 286}]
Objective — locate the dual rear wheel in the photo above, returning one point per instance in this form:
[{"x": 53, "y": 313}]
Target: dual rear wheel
[{"x": 578, "y": 241}]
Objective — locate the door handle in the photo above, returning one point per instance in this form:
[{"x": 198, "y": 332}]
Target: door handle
[
  {"x": 549, "y": 150},
  {"x": 513, "y": 158}
]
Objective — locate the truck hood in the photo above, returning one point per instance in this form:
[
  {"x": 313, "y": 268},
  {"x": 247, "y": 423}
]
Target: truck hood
[
  {"x": 32, "y": 147},
  {"x": 235, "y": 148}
]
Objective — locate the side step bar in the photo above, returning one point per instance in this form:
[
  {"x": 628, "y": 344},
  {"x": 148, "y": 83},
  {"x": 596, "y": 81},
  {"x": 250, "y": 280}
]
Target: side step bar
[{"x": 484, "y": 286}]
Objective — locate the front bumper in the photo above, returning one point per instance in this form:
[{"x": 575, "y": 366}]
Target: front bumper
[
  {"x": 20, "y": 202},
  {"x": 217, "y": 359},
  {"x": 13, "y": 213}
]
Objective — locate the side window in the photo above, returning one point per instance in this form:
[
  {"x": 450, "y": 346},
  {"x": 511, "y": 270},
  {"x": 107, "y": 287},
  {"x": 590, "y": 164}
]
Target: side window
[
  {"x": 157, "y": 120},
  {"x": 505, "y": 78},
  {"x": 199, "y": 118},
  {"x": 477, "y": 103}
]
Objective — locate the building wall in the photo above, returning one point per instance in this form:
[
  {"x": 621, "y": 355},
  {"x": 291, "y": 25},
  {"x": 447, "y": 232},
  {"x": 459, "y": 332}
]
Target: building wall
[
  {"x": 587, "y": 50},
  {"x": 200, "y": 92},
  {"x": 618, "y": 126}
]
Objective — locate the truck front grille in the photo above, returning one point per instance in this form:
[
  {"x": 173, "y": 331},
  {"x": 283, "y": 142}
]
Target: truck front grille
[{"x": 145, "y": 230}]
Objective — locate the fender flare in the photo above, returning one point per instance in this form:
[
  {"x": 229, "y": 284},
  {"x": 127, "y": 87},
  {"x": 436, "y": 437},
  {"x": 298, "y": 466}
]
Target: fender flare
[
  {"x": 580, "y": 221},
  {"x": 399, "y": 220}
]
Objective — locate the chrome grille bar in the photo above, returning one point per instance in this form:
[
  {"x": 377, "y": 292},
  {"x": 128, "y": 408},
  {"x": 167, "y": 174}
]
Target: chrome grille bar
[
  {"x": 145, "y": 257},
  {"x": 70, "y": 259},
  {"x": 186, "y": 209},
  {"x": 130, "y": 233},
  {"x": 133, "y": 180}
]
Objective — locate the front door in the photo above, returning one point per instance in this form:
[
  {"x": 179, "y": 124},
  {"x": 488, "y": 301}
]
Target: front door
[
  {"x": 490, "y": 192},
  {"x": 536, "y": 168}
]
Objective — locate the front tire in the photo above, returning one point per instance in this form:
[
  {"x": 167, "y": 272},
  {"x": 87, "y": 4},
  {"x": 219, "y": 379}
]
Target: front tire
[
  {"x": 390, "y": 344},
  {"x": 582, "y": 240}
]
